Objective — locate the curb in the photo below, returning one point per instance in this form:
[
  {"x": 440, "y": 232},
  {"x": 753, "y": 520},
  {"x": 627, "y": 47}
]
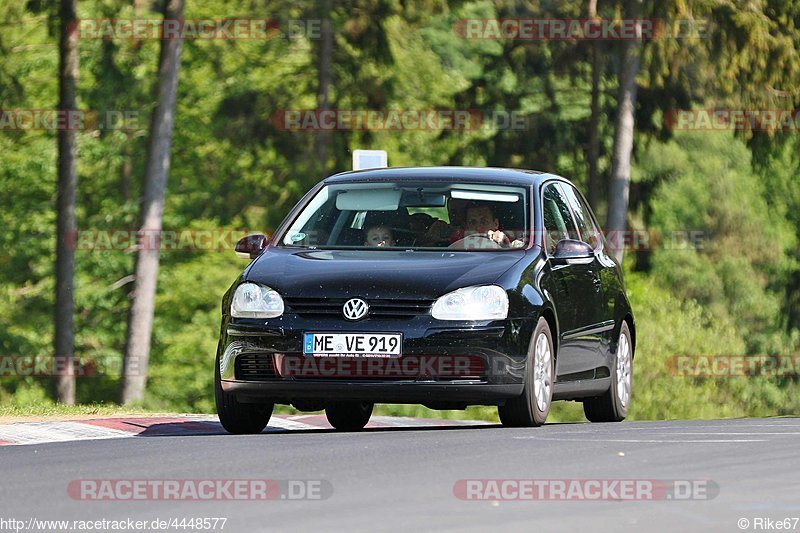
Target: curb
[{"x": 21, "y": 433}]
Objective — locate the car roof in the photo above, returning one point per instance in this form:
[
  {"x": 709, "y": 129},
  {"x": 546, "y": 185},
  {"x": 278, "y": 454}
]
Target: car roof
[{"x": 486, "y": 174}]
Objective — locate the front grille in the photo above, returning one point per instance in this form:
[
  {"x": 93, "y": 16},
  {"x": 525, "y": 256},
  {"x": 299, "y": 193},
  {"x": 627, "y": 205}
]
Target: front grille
[
  {"x": 378, "y": 308},
  {"x": 254, "y": 367}
]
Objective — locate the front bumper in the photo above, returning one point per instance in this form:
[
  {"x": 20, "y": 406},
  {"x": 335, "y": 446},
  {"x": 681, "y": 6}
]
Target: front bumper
[
  {"x": 253, "y": 358},
  {"x": 427, "y": 393}
]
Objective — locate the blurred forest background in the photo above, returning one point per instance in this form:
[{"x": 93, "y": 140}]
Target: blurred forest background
[{"x": 736, "y": 291}]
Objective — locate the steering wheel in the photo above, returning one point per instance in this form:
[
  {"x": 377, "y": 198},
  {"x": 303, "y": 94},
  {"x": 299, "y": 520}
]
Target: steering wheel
[{"x": 477, "y": 241}]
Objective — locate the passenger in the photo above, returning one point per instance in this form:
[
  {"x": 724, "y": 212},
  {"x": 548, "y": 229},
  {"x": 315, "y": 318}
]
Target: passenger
[
  {"x": 420, "y": 223},
  {"x": 441, "y": 232},
  {"x": 379, "y": 235}
]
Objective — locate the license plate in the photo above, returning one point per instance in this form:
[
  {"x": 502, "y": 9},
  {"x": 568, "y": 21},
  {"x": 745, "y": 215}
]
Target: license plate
[{"x": 353, "y": 344}]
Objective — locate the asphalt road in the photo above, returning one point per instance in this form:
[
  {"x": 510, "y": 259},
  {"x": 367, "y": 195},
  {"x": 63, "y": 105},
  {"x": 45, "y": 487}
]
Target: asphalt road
[{"x": 403, "y": 479}]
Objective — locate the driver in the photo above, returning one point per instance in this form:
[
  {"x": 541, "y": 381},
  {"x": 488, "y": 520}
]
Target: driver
[{"x": 480, "y": 220}]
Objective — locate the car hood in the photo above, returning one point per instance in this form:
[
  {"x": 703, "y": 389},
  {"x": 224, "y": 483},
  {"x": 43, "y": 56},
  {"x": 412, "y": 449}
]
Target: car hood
[{"x": 376, "y": 273}]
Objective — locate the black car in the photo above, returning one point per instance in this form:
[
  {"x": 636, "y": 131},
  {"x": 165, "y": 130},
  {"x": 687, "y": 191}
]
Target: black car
[{"x": 444, "y": 286}]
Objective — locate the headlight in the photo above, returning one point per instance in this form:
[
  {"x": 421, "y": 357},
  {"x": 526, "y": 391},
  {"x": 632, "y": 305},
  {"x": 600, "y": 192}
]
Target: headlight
[
  {"x": 256, "y": 301},
  {"x": 488, "y": 302}
]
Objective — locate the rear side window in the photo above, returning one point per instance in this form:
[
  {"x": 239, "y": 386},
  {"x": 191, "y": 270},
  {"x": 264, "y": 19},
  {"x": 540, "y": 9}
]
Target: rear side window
[
  {"x": 582, "y": 218},
  {"x": 558, "y": 221}
]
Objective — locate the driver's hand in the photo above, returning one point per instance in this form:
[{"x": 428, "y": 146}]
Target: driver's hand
[{"x": 499, "y": 237}]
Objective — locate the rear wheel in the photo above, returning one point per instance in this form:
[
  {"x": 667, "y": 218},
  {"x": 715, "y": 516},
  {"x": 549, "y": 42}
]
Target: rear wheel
[
  {"x": 531, "y": 408},
  {"x": 239, "y": 418},
  {"x": 613, "y": 405},
  {"x": 348, "y": 416}
]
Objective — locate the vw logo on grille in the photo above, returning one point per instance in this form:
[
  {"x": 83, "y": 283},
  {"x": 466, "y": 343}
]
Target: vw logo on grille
[{"x": 355, "y": 308}]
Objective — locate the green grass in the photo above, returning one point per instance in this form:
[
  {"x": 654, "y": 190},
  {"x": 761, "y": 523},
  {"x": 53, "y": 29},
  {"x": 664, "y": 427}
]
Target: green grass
[
  {"x": 32, "y": 400},
  {"x": 562, "y": 411},
  {"x": 53, "y": 409}
]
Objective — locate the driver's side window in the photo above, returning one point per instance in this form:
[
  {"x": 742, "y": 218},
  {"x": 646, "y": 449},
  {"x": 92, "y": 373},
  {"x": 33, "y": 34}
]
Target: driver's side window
[{"x": 558, "y": 220}]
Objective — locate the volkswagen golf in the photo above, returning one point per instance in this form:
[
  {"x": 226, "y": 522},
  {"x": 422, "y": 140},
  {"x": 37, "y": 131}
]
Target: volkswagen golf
[{"x": 441, "y": 286}]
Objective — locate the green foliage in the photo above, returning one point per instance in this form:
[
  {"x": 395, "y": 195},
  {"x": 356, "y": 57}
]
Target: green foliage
[
  {"x": 668, "y": 326},
  {"x": 737, "y": 251}
]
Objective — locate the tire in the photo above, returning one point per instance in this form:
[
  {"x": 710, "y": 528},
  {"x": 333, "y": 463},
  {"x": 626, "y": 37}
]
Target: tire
[
  {"x": 348, "y": 416},
  {"x": 239, "y": 418},
  {"x": 532, "y": 407},
  {"x": 613, "y": 405}
]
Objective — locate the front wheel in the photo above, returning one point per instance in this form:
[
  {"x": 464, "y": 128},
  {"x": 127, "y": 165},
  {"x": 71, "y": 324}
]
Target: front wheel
[
  {"x": 239, "y": 418},
  {"x": 613, "y": 405},
  {"x": 348, "y": 416},
  {"x": 532, "y": 407}
]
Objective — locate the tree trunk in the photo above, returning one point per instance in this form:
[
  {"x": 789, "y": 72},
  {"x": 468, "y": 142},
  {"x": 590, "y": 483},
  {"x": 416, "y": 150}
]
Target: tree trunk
[
  {"x": 126, "y": 171},
  {"x": 324, "y": 80},
  {"x": 66, "y": 225},
  {"x": 594, "y": 134},
  {"x": 140, "y": 320},
  {"x": 623, "y": 138}
]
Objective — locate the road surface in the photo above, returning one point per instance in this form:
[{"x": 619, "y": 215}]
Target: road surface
[{"x": 392, "y": 479}]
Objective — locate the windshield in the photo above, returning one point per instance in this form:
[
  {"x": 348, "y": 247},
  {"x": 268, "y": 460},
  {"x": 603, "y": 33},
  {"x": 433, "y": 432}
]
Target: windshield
[{"x": 419, "y": 215}]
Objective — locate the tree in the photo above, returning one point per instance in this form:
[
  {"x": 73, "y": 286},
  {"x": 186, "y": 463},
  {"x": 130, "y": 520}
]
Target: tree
[
  {"x": 126, "y": 171},
  {"x": 324, "y": 80},
  {"x": 619, "y": 188},
  {"x": 66, "y": 225},
  {"x": 140, "y": 320},
  {"x": 593, "y": 154}
]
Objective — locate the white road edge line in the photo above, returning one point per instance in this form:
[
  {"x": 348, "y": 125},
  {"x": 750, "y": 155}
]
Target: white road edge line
[{"x": 645, "y": 440}]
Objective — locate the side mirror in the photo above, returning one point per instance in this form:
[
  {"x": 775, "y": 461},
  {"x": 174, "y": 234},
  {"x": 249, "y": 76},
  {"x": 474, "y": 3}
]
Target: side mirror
[
  {"x": 572, "y": 249},
  {"x": 251, "y": 246}
]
